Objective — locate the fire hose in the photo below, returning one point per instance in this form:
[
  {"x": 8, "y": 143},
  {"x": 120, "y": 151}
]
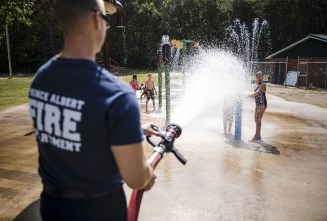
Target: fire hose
[{"x": 166, "y": 145}]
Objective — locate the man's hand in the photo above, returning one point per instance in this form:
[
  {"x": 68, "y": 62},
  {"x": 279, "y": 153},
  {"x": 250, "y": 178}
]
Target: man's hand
[
  {"x": 151, "y": 181},
  {"x": 148, "y": 130}
]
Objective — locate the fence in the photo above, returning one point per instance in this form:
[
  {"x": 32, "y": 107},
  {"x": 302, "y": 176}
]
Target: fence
[
  {"x": 274, "y": 71},
  {"x": 313, "y": 71}
]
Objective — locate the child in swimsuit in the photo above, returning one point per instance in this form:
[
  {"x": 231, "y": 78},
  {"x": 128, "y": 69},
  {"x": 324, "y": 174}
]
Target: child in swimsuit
[
  {"x": 261, "y": 104},
  {"x": 150, "y": 91},
  {"x": 134, "y": 83}
]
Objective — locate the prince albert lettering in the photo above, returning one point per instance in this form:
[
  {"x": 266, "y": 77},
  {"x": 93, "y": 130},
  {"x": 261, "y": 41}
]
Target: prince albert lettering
[
  {"x": 57, "y": 99},
  {"x": 56, "y": 122}
]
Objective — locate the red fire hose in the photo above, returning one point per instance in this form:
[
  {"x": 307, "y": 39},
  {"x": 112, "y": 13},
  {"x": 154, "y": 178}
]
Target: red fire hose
[{"x": 166, "y": 145}]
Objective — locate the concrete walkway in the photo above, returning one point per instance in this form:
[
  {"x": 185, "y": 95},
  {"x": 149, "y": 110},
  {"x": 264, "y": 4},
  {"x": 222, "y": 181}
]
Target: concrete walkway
[
  {"x": 223, "y": 179},
  {"x": 19, "y": 182}
]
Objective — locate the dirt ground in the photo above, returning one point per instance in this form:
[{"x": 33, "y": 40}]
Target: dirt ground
[
  {"x": 315, "y": 97},
  {"x": 282, "y": 178}
]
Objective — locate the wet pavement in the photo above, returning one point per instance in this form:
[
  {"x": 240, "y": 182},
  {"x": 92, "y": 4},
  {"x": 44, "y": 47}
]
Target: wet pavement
[{"x": 282, "y": 178}]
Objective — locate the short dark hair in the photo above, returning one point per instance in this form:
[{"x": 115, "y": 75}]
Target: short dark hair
[{"x": 69, "y": 12}]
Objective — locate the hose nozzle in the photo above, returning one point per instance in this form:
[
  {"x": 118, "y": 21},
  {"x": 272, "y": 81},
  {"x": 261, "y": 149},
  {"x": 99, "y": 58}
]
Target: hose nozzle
[{"x": 172, "y": 132}]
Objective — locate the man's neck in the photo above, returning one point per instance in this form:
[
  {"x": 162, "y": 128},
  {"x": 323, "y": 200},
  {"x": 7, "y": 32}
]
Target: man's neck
[{"x": 78, "y": 47}]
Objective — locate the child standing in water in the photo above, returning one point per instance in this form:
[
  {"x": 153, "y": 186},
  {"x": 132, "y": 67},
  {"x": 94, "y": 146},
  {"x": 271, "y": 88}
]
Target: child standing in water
[
  {"x": 260, "y": 103},
  {"x": 143, "y": 91},
  {"x": 134, "y": 83},
  {"x": 150, "y": 91},
  {"x": 228, "y": 112}
]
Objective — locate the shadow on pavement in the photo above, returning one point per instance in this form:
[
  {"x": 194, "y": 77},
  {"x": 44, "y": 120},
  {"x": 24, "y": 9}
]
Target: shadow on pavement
[{"x": 260, "y": 146}]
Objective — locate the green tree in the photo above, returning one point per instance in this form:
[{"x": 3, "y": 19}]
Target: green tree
[
  {"x": 15, "y": 11},
  {"x": 12, "y": 12}
]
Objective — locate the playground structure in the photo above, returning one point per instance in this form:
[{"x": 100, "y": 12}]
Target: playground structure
[{"x": 164, "y": 65}]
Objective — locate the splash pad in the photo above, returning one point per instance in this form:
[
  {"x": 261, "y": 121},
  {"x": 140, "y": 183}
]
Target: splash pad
[{"x": 213, "y": 76}]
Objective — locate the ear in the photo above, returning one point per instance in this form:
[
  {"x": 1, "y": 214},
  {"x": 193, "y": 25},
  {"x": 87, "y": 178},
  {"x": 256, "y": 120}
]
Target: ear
[{"x": 96, "y": 20}]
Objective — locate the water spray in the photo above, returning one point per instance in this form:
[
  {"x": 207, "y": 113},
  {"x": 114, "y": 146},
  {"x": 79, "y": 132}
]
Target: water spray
[
  {"x": 166, "y": 145},
  {"x": 164, "y": 60}
]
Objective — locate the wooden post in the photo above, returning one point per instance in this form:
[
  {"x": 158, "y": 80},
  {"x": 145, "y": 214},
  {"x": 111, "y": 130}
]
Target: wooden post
[
  {"x": 279, "y": 70},
  {"x": 286, "y": 71},
  {"x": 106, "y": 55},
  {"x": 298, "y": 69},
  {"x": 8, "y": 50},
  {"x": 306, "y": 84}
]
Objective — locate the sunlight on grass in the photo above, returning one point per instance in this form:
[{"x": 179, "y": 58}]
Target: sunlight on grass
[
  {"x": 14, "y": 91},
  {"x": 142, "y": 76}
]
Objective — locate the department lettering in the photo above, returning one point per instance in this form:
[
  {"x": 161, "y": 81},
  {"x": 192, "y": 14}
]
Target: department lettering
[
  {"x": 59, "y": 143},
  {"x": 56, "y": 119}
]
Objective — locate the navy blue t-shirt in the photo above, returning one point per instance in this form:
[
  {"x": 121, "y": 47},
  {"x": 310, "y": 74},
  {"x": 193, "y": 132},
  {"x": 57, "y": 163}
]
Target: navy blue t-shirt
[{"x": 79, "y": 110}]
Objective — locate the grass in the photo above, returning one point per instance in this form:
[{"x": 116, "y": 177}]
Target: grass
[
  {"x": 142, "y": 76},
  {"x": 14, "y": 91}
]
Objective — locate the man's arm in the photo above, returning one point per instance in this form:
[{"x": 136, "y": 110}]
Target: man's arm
[
  {"x": 126, "y": 137},
  {"x": 133, "y": 166}
]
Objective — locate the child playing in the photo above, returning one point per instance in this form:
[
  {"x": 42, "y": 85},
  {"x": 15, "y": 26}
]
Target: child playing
[
  {"x": 143, "y": 91},
  {"x": 150, "y": 91},
  {"x": 228, "y": 112},
  {"x": 134, "y": 83}
]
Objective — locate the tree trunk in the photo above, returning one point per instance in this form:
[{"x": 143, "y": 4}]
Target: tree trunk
[{"x": 8, "y": 50}]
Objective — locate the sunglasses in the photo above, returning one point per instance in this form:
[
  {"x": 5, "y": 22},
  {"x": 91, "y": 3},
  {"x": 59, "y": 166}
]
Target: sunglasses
[{"x": 104, "y": 17}]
